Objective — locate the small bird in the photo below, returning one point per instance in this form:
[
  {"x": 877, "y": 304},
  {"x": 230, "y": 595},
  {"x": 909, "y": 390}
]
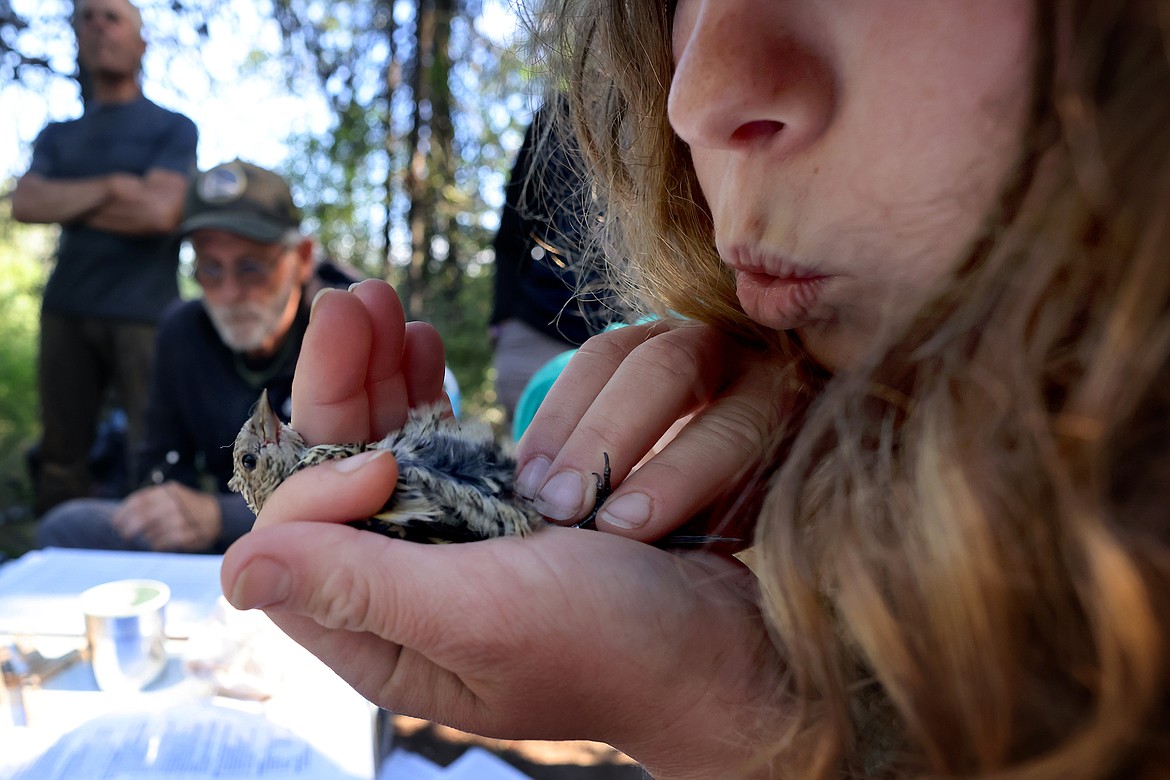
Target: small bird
[{"x": 454, "y": 481}]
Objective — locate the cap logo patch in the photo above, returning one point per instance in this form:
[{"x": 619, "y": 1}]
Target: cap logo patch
[{"x": 223, "y": 184}]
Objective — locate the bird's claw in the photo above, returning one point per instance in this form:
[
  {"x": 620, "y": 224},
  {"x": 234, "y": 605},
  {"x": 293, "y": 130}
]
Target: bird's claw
[{"x": 604, "y": 488}]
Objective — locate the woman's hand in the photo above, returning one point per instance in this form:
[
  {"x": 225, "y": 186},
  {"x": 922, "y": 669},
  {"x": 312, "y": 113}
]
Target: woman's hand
[
  {"x": 689, "y": 403},
  {"x": 567, "y": 633}
]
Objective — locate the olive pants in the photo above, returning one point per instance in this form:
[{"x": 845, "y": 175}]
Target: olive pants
[{"x": 86, "y": 363}]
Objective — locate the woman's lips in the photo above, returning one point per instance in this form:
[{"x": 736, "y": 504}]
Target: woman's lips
[
  {"x": 774, "y": 292},
  {"x": 780, "y": 303}
]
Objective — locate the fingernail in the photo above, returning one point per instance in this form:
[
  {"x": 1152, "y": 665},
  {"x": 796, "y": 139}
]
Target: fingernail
[
  {"x": 317, "y": 298},
  {"x": 531, "y": 476},
  {"x": 263, "y": 583},
  {"x": 355, "y": 462},
  {"x": 561, "y": 497},
  {"x": 629, "y": 511}
]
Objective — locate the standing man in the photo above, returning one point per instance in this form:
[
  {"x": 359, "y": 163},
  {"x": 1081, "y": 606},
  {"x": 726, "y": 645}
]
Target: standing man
[
  {"x": 114, "y": 180},
  {"x": 215, "y": 356}
]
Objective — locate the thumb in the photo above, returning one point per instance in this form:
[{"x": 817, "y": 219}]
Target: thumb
[
  {"x": 336, "y": 491},
  {"x": 354, "y": 600},
  {"x": 299, "y": 567},
  {"x": 394, "y": 619},
  {"x": 346, "y": 578}
]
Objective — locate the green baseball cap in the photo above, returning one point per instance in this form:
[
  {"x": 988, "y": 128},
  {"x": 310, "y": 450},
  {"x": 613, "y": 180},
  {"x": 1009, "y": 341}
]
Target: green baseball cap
[{"x": 241, "y": 198}]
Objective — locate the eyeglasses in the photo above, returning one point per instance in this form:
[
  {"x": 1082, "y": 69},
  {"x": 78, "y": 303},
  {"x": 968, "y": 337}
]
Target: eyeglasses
[{"x": 248, "y": 272}]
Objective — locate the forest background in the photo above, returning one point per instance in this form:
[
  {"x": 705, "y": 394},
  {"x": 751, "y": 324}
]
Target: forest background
[{"x": 396, "y": 121}]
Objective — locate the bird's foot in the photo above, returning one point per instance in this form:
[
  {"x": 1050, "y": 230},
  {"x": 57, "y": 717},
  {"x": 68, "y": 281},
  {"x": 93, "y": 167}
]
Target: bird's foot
[{"x": 604, "y": 488}]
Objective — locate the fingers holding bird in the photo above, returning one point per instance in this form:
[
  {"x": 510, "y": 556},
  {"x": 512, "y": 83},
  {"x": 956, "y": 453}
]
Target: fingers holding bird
[
  {"x": 330, "y": 403},
  {"x": 362, "y": 366}
]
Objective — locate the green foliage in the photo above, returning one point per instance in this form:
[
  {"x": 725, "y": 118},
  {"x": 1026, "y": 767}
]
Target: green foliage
[{"x": 24, "y": 253}]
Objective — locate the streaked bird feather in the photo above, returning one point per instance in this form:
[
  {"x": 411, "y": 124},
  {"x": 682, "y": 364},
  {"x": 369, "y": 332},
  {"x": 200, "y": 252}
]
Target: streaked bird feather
[{"x": 454, "y": 480}]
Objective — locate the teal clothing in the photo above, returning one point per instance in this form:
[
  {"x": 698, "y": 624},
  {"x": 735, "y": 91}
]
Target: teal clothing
[
  {"x": 535, "y": 391},
  {"x": 541, "y": 383}
]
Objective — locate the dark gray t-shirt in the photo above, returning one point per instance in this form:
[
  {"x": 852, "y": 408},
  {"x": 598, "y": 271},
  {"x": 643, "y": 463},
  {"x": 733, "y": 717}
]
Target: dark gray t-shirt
[{"x": 102, "y": 274}]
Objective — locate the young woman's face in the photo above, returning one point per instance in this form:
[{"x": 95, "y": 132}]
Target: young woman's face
[{"x": 849, "y": 149}]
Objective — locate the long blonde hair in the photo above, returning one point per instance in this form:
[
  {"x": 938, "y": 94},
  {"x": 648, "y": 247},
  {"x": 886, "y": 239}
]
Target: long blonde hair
[{"x": 965, "y": 550}]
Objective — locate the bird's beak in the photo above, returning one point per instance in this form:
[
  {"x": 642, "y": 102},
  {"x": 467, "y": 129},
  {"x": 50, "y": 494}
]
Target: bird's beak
[{"x": 266, "y": 421}]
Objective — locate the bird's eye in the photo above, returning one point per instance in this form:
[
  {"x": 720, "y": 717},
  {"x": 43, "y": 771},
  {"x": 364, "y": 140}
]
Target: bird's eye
[{"x": 248, "y": 461}]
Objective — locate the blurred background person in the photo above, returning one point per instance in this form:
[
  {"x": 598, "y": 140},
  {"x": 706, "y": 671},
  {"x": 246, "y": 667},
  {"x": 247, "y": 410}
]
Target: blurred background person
[
  {"x": 542, "y": 304},
  {"x": 114, "y": 180}
]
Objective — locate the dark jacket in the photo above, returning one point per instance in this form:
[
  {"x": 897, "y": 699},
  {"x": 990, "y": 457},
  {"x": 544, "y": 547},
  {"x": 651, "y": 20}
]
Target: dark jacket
[{"x": 543, "y": 268}]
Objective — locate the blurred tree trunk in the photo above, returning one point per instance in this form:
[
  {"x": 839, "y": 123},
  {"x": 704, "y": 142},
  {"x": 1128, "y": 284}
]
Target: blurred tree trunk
[
  {"x": 432, "y": 170},
  {"x": 444, "y": 156},
  {"x": 392, "y": 83},
  {"x": 416, "y": 184},
  {"x": 431, "y": 139}
]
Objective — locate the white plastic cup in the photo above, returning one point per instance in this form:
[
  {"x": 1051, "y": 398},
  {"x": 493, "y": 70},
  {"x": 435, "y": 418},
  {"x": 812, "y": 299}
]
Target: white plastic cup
[{"x": 125, "y": 629}]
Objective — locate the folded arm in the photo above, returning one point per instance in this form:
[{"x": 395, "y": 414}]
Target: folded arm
[
  {"x": 39, "y": 200},
  {"x": 117, "y": 203}
]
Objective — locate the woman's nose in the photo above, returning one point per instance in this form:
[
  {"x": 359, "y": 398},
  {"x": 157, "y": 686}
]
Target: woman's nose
[{"x": 743, "y": 78}]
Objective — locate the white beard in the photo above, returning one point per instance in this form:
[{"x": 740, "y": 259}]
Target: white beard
[{"x": 245, "y": 327}]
